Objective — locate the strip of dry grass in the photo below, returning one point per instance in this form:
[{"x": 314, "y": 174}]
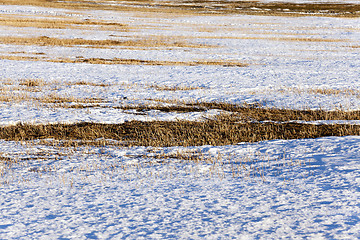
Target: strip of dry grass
[
  {"x": 258, "y": 113},
  {"x": 247, "y": 112},
  {"x": 174, "y": 88},
  {"x": 254, "y": 112},
  {"x": 273, "y": 8},
  {"x": 327, "y": 91},
  {"x": 245, "y": 124},
  {"x": 204, "y": 7},
  {"x": 281, "y": 39},
  {"x": 16, "y": 96},
  {"x": 84, "y": 83},
  {"x": 32, "y": 82},
  {"x": 59, "y": 23},
  {"x": 184, "y": 133},
  {"x": 223, "y": 63},
  {"x": 148, "y": 42}
]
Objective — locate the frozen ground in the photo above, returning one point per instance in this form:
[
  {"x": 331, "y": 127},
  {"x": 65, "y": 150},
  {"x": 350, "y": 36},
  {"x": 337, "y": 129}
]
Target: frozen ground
[{"x": 269, "y": 190}]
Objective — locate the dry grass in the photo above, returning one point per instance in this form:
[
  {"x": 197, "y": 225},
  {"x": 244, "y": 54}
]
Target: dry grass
[
  {"x": 39, "y": 85},
  {"x": 246, "y": 112},
  {"x": 205, "y": 7},
  {"x": 174, "y": 88},
  {"x": 53, "y": 98},
  {"x": 148, "y": 42},
  {"x": 245, "y": 124},
  {"x": 219, "y": 131},
  {"x": 59, "y": 23},
  {"x": 17, "y": 91},
  {"x": 140, "y": 109},
  {"x": 32, "y": 82},
  {"x": 146, "y": 168},
  {"x": 223, "y": 63},
  {"x": 153, "y": 165},
  {"x": 16, "y": 96},
  {"x": 258, "y": 113},
  {"x": 323, "y": 91},
  {"x": 171, "y": 108},
  {"x": 297, "y": 39},
  {"x": 282, "y": 39},
  {"x": 84, "y": 83},
  {"x": 327, "y": 91}
]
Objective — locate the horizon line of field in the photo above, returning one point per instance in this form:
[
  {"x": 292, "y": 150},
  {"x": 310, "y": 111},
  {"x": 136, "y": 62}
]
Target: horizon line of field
[{"x": 209, "y": 7}]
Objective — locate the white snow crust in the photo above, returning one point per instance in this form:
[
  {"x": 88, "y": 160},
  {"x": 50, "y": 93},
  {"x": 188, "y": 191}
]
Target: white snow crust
[{"x": 311, "y": 190}]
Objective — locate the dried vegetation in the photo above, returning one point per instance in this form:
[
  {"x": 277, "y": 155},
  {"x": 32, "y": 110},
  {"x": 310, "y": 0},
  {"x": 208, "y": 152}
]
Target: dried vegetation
[
  {"x": 205, "y": 7},
  {"x": 147, "y": 42},
  {"x": 256, "y": 112},
  {"x": 60, "y": 23},
  {"x": 174, "y": 88},
  {"x": 223, "y": 130},
  {"x": 128, "y": 61},
  {"x": 246, "y": 124}
]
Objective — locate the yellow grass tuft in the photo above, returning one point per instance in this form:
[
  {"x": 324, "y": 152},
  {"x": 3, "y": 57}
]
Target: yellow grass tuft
[{"x": 32, "y": 82}]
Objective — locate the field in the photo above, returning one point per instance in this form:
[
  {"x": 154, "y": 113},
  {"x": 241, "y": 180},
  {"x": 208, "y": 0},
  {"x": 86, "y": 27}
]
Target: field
[{"x": 179, "y": 119}]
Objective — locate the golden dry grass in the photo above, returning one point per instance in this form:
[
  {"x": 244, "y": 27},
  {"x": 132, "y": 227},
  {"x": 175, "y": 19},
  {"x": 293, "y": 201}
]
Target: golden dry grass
[
  {"x": 257, "y": 112},
  {"x": 245, "y": 112},
  {"x": 205, "y": 7},
  {"x": 243, "y": 123},
  {"x": 59, "y": 23},
  {"x": 9, "y": 85},
  {"x": 224, "y": 63},
  {"x": 323, "y": 91},
  {"x": 262, "y": 37},
  {"x": 152, "y": 42},
  {"x": 218, "y": 131},
  {"x": 174, "y": 88},
  {"x": 293, "y": 39},
  {"x": 32, "y": 82},
  {"x": 148, "y": 42},
  {"x": 16, "y": 96},
  {"x": 85, "y": 83},
  {"x": 17, "y": 91}
]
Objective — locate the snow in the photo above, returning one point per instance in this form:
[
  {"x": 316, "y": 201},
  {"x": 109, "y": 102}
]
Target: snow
[
  {"x": 307, "y": 188},
  {"x": 319, "y": 197}
]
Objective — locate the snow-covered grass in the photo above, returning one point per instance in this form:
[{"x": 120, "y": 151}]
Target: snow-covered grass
[{"x": 50, "y": 73}]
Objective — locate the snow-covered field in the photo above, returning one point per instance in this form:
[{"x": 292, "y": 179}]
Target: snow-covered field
[
  {"x": 315, "y": 195},
  {"x": 294, "y": 189}
]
